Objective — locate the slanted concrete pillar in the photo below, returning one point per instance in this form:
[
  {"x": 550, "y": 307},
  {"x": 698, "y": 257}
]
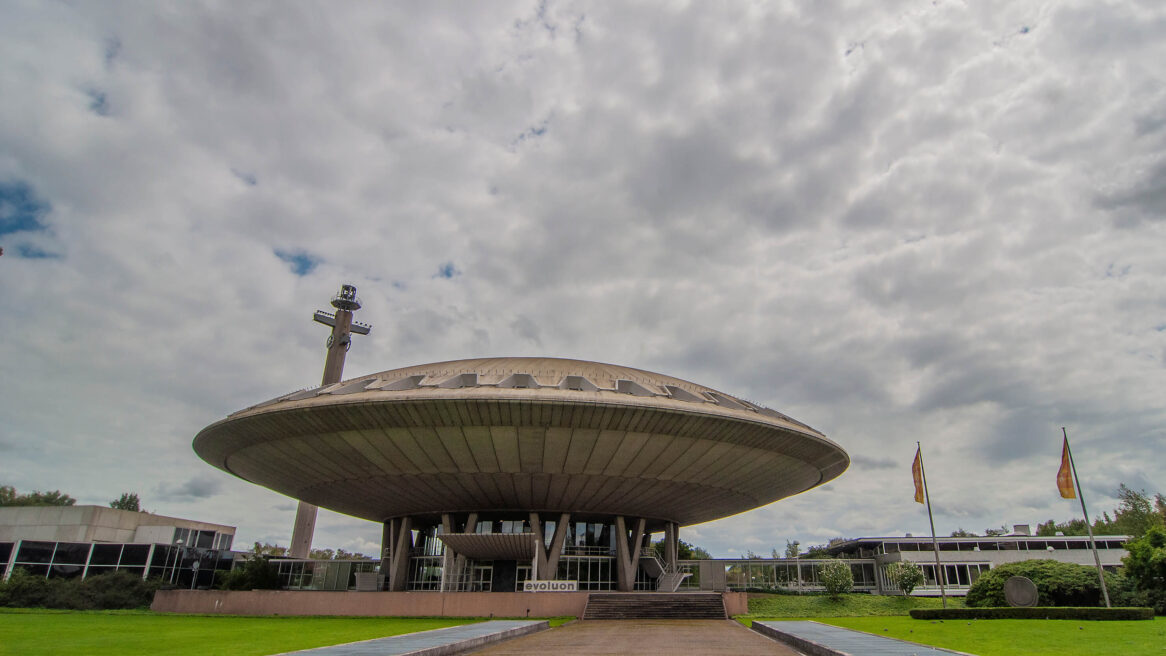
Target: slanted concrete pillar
[
  {"x": 459, "y": 563},
  {"x": 548, "y": 557},
  {"x": 400, "y": 533},
  {"x": 449, "y": 577},
  {"x": 627, "y": 554},
  {"x": 303, "y": 530},
  {"x": 671, "y": 544}
]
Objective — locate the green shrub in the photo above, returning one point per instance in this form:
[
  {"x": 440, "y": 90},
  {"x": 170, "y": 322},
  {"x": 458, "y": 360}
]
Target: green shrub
[
  {"x": 1059, "y": 584},
  {"x": 118, "y": 590},
  {"x": 1033, "y": 613},
  {"x": 23, "y": 590},
  {"x": 107, "y": 591},
  {"x": 906, "y": 576},
  {"x": 258, "y": 573},
  {"x": 836, "y": 577}
]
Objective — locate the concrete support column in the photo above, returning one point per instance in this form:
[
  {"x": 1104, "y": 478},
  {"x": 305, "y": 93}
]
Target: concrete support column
[
  {"x": 399, "y": 532},
  {"x": 449, "y": 577},
  {"x": 303, "y": 530},
  {"x": 548, "y": 557},
  {"x": 459, "y": 563},
  {"x": 671, "y": 544},
  {"x": 627, "y": 554}
]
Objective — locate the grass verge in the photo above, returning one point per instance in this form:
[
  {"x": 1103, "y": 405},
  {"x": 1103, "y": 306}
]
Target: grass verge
[
  {"x": 763, "y": 606},
  {"x": 33, "y": 632},
  {"x": 1020, "y": 637}
]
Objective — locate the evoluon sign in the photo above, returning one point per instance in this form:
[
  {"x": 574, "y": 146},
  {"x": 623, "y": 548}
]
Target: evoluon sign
[{"x": 550, "y": 586}]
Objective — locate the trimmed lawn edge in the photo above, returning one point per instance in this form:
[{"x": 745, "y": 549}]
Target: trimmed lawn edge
[{"x": 1035, "y": 613}]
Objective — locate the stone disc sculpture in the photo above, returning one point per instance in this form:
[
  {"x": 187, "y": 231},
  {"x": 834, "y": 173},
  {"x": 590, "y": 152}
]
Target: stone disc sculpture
[{"x": 1020, "y": 592}]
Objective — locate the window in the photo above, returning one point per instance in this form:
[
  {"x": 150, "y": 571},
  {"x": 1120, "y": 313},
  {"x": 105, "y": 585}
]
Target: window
[{"x": 135, "y": 554}]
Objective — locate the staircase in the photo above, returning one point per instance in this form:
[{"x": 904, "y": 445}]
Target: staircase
[
  {"x": 653, "y": 606},
  {"x": 668, "y": 579}
]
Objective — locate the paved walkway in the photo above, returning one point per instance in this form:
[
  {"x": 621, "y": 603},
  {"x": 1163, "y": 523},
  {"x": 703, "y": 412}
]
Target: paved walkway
[
  {"x": 592, "y": 637},
  {"x": 825, "y": 640},
  {"x": 451, "y": 640}
]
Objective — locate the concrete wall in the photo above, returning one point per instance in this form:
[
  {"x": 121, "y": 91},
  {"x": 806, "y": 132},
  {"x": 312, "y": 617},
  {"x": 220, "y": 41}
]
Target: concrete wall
[
  {"x": 91, "y": 524},
  {"x": 997, "y": 558},
  {"x": 390, "y": 604},
  {"x": 393, "y": 604}
]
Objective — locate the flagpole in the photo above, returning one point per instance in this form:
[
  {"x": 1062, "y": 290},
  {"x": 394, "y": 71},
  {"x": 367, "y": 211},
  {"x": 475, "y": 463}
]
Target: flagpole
[
  {"x": 940, "y": 575},
  {"x": 1088, "y": 526}
]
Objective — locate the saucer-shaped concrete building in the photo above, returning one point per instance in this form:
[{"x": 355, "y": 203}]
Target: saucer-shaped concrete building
[{"x": 489, "y": 472}]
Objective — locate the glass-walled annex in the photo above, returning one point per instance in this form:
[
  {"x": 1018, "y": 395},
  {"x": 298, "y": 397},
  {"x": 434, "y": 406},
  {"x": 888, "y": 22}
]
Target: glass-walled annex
[{"x": 178, "y": 565}]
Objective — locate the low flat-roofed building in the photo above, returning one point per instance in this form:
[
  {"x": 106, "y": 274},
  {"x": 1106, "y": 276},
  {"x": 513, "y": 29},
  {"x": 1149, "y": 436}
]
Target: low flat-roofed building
[
  {"x": 102, "y": 524},
  {"x": 963, "y": 560},
  {"x": 81, "y": 541}
]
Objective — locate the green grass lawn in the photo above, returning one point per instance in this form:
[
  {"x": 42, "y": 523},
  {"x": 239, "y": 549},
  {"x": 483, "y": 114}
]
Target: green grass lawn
[
  {"x": 1020, "y": 637},
  {"x": 849, "y": 605},
  {"x": 123, "y": 633}
]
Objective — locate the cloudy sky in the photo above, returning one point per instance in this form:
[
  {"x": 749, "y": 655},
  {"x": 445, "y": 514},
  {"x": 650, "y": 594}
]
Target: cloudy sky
[{"x": 896, "y": 221}]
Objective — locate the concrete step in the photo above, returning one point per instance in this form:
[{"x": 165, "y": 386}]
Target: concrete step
[{"x": 639, "y": 606}]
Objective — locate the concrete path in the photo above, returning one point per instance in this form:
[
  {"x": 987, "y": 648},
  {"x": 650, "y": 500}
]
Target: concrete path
[
  {"x": 816, "y": 639},
  {"x": 438, "y": 642},
  {"x": 592, "y": 637}
]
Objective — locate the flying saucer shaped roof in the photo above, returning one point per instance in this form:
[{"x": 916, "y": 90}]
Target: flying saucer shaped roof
[{"x": 522, "y": 434}]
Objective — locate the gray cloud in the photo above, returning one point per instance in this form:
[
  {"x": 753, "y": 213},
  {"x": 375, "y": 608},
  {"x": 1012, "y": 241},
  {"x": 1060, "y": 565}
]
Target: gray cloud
[
  {"x": 868, "y": 463},
  {"x": 935, "y": 223},
  {"x": 200, "y": 486}
]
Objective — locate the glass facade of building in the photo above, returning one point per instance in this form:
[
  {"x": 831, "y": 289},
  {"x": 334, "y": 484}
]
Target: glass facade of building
[
  {"x": 181, "y": 566},
  {"x": 322, "y": 574}
]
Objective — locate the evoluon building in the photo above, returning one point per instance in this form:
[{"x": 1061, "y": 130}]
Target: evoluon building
[{"x": 487, "y": 473}]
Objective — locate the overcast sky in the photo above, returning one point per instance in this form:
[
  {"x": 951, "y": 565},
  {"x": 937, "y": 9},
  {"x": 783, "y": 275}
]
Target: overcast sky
[{"x": 895, "y": 221}]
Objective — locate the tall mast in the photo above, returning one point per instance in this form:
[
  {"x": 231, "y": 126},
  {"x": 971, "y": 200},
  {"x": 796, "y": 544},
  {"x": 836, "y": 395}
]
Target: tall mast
[{"x": 338, "y": 344}]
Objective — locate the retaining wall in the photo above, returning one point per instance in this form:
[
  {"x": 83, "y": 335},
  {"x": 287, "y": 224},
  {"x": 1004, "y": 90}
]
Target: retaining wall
[{"x": 388, "y": 604}]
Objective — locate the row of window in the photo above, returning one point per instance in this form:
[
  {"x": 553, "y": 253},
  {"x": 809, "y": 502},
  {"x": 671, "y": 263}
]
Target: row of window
[
  {"x": 202, "y": 539},
  {"x": 592, "y": 572},
  {"x": 180, "y": 565},
  {"x": 323, "y": 574},
  {"x": 1010, "y": 545}
]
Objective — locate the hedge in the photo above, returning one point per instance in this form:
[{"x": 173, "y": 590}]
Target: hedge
[
  {"x": 102, "y": 592},
  {"x": 1033, "y": 613}
]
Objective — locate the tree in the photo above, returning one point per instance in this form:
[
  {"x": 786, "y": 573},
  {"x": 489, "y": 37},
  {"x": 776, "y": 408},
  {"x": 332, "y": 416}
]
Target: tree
[
  {"x": 961, "y": 533},
  {"x": 836, "y": 577},
  {"x": 266, "y": 549},
  {"x": 276, "y": 551},
  {"x": 127, "y": 501},
  {"x": 819, "y": 551},
  {"x": 1146, "y": 567},
  {"x": 905, "y": 576},
  {"x": 684, "y": 551},
  {"x": 1071, "y": 527},
  {"x": 993, "y": 532},
  {"x": 10, "y": 497},
  {"x": 1136, "y": 514}
]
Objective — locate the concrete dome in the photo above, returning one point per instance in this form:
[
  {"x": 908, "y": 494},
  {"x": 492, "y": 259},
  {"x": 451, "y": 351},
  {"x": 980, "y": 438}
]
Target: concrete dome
[{"x": 522, "y": 434}]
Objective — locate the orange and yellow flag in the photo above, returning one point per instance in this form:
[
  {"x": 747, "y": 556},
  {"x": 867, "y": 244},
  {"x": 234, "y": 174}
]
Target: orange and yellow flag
[
  {"x": 917, "y": 474},
  {"x": 1065, "y": 474}
]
